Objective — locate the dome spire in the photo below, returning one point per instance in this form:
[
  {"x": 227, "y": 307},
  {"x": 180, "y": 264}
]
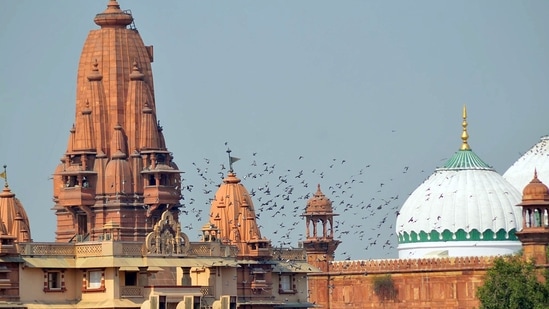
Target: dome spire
[
  {"x": 464, "y": 134},
  {"x": 465, "y": 158}
]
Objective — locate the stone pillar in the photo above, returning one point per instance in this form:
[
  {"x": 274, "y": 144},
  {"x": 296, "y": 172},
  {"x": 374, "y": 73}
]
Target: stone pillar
[
  {"x": 143, "y": 276},
  {"x": 186, "y": 278}
]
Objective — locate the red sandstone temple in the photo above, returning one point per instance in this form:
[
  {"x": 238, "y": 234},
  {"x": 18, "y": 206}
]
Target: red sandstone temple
[{"x": 119, "y": 243}]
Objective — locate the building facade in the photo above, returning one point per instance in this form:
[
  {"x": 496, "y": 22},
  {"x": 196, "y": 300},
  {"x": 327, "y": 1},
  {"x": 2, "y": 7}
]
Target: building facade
[
  {"x": 450, "y": 230},
  {"x": 117, "y": 193},
  {"x": 119, "y": 242}
]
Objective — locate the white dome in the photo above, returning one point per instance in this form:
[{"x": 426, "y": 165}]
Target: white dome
[
  {"x": 465, "y": 208},
  {"x": 522, "y": 171}
]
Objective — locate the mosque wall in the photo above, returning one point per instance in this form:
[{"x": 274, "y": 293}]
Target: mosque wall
[{"x": 401, "y": 283}]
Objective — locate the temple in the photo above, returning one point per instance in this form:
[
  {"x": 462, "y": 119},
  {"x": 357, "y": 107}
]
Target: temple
[
  {"x": 117, "y": 168},
  {"x": 117, "y": 199}
]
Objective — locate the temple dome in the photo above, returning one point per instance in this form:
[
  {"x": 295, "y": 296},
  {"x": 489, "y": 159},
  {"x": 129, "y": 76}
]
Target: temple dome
[
  {"x": 537, "y": 158},
  {"x": 535, "y": 191},
  {"x": 232, "y": 212},
  {"x": 463, "y": 208},
  {"x": 319, "y": 203},
  {"x": 13, "y": 217}
]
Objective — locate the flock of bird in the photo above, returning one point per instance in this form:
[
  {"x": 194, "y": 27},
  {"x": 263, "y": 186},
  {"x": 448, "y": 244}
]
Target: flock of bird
[{"x": 367, "y": 207}]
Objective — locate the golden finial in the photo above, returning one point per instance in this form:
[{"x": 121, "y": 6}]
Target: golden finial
[{"x": 464, "y": 134}]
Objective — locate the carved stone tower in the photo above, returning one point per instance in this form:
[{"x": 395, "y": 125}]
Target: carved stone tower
[
  {"x": 116, "y": 169},
  {"x": 233, "y": 221},
  {"x": 232, "y": 212},
  {"x": 14, "y": 222},
  {"x": 535, "y": 221},
  {"x": 320, "y": 244}
]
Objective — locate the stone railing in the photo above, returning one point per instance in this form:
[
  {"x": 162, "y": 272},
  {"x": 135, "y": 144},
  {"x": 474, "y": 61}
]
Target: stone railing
[
  {"x": 89, "y": 249},
  {"x": 128, "y": 249},
  {"x": 298, "y": 254},
  {"x": 82, "y": 249},
  {"x": 205, "y": 249},
  {"x": 207, "y": 290},
  {"x": 117, "y": 248},
  {"x": 52, "y": 249},
  {"x": 412, "y": 265},
  {"x": 212, "y": 249},
  {"x": 131, "y": 291},
  {"x": 172, "y": 290},
  {"x": 221, "y": 250}
]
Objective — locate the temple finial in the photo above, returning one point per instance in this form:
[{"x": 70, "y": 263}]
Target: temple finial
[
  {"x": 4, "y": 175},
  {"x": 464, "y": 134},
  {"x": 231, "y": 160}
]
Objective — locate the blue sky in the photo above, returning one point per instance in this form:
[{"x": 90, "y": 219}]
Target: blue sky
[{"x": 365, "y": 92}]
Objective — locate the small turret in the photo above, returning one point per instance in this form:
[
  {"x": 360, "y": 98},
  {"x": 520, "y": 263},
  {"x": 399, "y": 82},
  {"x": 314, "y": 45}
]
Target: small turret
[
  {"x": 320, "y": 245},
  {"x": 535, "y": 220}
]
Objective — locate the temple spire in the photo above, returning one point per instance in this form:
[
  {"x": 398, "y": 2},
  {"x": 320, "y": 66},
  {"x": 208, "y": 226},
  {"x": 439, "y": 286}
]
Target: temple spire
[
  {"x": 148, "y": 134},
  {"x": 464, "y": 134},
  {"x": 84, "y": 140},
  {"x": 117, "y": 167},
  {"x": 99, "y": 116}
]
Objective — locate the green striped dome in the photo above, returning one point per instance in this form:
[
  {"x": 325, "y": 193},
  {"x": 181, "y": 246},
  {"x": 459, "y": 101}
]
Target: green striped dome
[{"x": 466, "y": 159}]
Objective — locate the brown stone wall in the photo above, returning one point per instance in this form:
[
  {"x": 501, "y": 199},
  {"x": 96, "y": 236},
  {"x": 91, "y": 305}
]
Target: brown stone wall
[
  {"x": 537, "y": 252},
  {"x": 65, "y": 226},
  {"x": 420, "y": 283},
  {"x": 133, "y": 221},
  {"x": 9, "y": 282}
]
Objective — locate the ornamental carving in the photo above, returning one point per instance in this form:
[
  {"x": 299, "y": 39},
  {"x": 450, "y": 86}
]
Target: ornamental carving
[{"x": 167, "y": 238}]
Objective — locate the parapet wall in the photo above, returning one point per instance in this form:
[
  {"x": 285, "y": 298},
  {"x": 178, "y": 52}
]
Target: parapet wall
[{"x": 412, "y": 265}]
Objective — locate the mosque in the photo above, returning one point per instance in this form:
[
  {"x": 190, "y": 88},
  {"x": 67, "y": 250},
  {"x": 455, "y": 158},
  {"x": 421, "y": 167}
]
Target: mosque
[{"x": 119, "y": 243}]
